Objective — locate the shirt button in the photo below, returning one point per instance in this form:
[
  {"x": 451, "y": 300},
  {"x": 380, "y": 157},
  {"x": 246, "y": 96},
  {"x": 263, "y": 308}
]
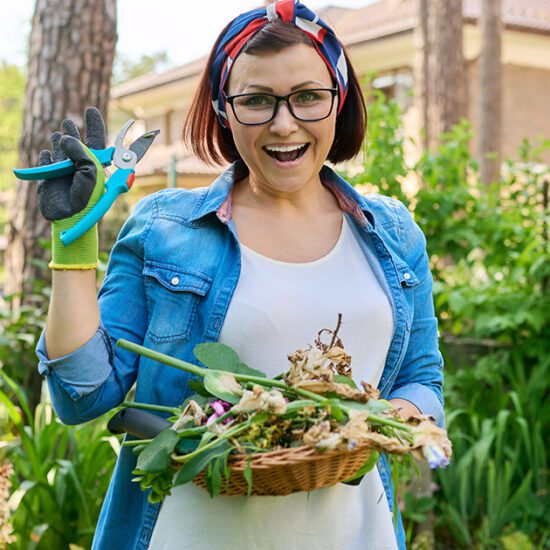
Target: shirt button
[
  {"x": 407, "y": 276},
  {"x": 175, "y": 280}
]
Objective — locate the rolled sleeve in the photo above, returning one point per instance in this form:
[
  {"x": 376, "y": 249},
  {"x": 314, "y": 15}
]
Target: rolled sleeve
[
  {"x": 423, "y": 398},
  {"x": 82, "y": 371}
]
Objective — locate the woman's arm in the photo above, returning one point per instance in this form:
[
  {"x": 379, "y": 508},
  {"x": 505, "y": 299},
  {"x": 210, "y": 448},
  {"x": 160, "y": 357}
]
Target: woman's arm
[
  {"x": 420, "y": 377},
  {"x": 73, "y": 314},
  {"x": 87, "y": 373}
]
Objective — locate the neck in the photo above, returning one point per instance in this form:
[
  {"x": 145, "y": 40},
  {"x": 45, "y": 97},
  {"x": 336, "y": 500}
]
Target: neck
[{"x": 314, "y": 198}]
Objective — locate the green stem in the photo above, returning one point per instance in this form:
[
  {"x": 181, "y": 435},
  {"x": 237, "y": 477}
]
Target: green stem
[
  {"x": 136, "y": 442},
  {"x": 150, "y": 407},
  {"x": 161, "y": 357}
]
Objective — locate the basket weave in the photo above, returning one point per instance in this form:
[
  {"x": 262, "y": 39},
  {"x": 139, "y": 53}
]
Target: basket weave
[{"x": 286, "y": 471}]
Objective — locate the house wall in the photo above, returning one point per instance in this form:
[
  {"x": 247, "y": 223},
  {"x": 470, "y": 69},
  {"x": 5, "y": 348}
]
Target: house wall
[{"x": 525, "y": 106}]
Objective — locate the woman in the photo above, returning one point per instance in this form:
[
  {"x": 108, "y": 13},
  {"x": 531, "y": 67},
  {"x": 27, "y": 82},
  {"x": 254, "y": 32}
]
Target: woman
[{"x": 261, "y": 260}]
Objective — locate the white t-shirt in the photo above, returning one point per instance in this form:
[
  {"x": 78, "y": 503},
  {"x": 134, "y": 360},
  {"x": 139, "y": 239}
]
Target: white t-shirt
[{"x": 279, "y": 307}]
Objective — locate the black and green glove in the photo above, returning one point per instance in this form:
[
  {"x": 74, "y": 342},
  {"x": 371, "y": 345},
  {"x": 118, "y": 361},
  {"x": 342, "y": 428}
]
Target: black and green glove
[{"x": 66, "y": 200}]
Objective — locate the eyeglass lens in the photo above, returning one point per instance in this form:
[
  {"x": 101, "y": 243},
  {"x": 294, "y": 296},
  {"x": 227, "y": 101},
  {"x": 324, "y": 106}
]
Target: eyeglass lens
[{"x": 304, "y": 104}]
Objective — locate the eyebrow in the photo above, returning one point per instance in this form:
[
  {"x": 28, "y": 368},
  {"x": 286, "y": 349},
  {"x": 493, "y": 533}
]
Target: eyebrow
[{"x": 298, "y": 86}]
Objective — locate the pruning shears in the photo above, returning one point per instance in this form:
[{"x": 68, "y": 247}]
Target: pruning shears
[{"x": 120, "y": 181}]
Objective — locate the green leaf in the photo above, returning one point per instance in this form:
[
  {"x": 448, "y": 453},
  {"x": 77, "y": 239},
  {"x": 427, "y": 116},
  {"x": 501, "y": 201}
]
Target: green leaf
[
  {"x": 156, "y": 456},
  {"x": 336, "y": 411},
  {"x": 198, "y": 387},
  {"x": 245, "y": 369},
  {"x": 185, "y": 446},
  {"x": 223, "y": 386},
  {"x": 198, "y": 463},
  {"x": 218, "y": 356},
  {"x": 248, "y": 475},
  {"x": 369, "y": 464}
]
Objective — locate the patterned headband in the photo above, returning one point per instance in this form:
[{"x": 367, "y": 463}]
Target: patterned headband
[{"x": 246, "y": 25}]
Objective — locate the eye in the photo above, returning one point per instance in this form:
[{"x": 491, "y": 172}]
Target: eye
[
  {"x": 306, "y": 96},
  {"x": 255, "y": 100}
]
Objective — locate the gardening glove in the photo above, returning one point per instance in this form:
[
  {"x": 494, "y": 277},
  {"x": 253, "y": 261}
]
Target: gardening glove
[{"x": 67, "y": 199}]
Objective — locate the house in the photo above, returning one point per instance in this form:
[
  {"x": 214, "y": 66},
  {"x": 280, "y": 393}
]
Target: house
[{"x": 381, "y": 38}]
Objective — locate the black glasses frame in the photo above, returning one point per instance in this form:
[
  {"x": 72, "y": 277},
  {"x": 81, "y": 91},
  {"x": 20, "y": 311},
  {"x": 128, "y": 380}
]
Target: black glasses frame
[{"x": 278, "y": 99}]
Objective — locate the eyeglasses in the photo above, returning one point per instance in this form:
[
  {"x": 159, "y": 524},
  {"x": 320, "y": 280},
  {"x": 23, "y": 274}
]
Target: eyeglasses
[{"x": 306, "y": 105}]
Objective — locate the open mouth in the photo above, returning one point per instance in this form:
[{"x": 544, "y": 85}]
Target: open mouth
[{"x": 286, "y": 154}]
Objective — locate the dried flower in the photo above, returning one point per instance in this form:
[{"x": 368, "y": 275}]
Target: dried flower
[
  {"x": 192, "y": 413},
  {"x": 260, "y": 400}
]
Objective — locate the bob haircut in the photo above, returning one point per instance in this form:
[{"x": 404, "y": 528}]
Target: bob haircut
[{"x": 213, "y": 144}]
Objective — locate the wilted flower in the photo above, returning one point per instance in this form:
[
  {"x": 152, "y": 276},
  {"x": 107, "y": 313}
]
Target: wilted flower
[
  {"x": 193, "y": 412},
  {"x": 260, "y": 400},
  {"x": 432, "y": 441},
  {"x": 435, "y": 456}
]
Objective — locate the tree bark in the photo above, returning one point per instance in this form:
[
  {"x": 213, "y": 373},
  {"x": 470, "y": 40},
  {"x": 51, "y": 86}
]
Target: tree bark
[
  {"x": 490, "y": 91},
  {"x": 71, "y": 52},
  {"x": 444, "y": 100}
]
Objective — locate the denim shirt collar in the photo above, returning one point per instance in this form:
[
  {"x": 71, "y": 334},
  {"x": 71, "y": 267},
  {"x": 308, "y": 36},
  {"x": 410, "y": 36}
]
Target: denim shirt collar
[{"x": 218, "y": 197}]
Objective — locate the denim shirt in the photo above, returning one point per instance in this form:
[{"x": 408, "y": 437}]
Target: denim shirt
[{"x": 169, "y": 281}]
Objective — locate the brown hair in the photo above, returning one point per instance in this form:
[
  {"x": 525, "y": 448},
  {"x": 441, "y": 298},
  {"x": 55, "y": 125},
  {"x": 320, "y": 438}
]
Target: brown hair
[{"x": 212, "y": 143}]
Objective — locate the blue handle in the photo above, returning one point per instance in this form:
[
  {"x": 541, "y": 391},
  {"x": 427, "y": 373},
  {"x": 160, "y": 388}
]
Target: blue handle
[
  {"x": 63, "y": 168},
  {"x": 118, "y": 183}
]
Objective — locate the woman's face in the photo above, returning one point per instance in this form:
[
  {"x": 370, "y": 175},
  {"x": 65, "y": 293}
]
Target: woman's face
[{"x": 296, "y": 67}]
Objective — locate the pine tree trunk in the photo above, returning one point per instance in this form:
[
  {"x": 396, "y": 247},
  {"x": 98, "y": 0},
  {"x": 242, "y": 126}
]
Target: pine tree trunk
[
  {"x": 490, "y": 91},
  {"x": 445, "y": 75},
  {"x": 71, "y": 52}
]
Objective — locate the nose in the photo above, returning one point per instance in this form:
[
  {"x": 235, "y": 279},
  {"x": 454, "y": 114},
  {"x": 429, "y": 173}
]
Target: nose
[{"x": 284, "y": 123}]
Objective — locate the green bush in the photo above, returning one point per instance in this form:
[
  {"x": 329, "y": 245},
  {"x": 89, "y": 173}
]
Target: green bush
[
  {"x": 61, "y": 473},
  {"x": 490, "y": 260}
]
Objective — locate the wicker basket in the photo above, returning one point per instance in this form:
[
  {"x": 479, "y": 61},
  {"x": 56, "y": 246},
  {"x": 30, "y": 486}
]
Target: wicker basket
[{"x": 286, "y": 471}]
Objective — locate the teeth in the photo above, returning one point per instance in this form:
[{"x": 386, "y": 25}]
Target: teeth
[{"x": 284, "y": 149}]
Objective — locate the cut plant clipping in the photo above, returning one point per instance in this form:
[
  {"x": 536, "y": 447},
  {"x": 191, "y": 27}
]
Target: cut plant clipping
[{"x": 242, "y": 433}]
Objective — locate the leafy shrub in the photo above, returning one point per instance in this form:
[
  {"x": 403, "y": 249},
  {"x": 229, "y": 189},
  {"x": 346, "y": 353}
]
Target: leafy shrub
[
  {"x": 61, "y": 473},
  {"x": 489, "y": 254}
]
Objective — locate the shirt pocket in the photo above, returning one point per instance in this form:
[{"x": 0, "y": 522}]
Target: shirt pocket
[
  {"x": 408, "y": 280},
  {"x": 173, "y": 295},
  {"x": 406, "y": 276}
]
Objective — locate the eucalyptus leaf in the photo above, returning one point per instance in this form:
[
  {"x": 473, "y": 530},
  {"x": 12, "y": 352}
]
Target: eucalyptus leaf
[
  {"x": 156, "y": 456},
  {"x": 223, "y": 386},
  {"x": 198, "y": 463}
]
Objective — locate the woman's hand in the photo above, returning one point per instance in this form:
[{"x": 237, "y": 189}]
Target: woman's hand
[
  {"x": 405, "y": 408},
  {"x": 66, "y": 200}
]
